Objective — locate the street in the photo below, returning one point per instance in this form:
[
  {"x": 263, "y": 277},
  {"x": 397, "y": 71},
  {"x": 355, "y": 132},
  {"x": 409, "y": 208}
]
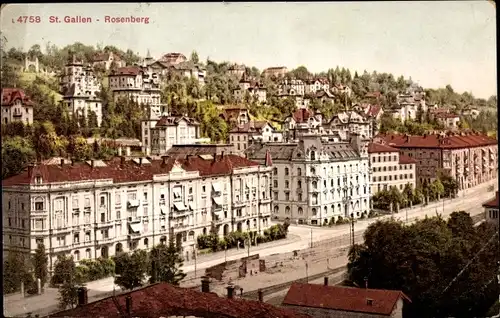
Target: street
[{"x": 300, "y": 237}]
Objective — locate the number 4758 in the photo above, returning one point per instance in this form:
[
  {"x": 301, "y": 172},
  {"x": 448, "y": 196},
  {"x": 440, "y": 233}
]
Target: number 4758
[{"x": 29, "y": 19}]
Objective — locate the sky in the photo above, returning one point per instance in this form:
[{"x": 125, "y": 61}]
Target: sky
[{"x": 435, "y": 43}]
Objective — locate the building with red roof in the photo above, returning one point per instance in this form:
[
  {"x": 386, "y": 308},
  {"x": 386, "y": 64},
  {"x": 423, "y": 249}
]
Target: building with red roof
[
  {"x": 335, "y": 301},
  {"x": 98, "y": 208},
  {"x": 16, "y": 106},
  {"x": 469, "y": 158},
  {"x": 165, "y": 300},
  {"x": 107, "y": 59},
  {"x": 390, "y": 168},
  {"x": 491, "y": 209}
]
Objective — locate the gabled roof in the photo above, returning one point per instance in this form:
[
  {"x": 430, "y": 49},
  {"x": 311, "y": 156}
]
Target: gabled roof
[
  {"x": 493, "y": 203},
  {"x": 129, "y": 171},
  {"x": 174, "y": 121},
  {"x": 11, "y": 95},
  {"x": 344, "y": 298},
  {"x": 165, "y": 300}
]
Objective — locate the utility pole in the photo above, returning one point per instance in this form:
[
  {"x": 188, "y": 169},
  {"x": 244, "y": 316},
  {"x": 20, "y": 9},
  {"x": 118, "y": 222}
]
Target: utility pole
[
  {"x": 311, "y": 238},
  {"x": 347, "y": 199}
]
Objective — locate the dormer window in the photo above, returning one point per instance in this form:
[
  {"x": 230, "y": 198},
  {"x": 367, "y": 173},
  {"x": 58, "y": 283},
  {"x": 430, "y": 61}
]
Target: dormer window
[{"x": 38, "y": 179}]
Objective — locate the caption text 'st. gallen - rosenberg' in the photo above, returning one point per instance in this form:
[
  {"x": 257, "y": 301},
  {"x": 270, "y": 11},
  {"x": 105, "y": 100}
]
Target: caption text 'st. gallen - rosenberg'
[{"x": 107, "y": 19}]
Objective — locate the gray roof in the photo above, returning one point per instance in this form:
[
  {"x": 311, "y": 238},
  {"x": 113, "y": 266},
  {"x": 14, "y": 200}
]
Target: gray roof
[{"x": 296, "y": 151}]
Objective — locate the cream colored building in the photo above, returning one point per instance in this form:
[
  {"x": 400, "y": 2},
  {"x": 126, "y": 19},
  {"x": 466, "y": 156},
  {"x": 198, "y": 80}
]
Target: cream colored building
[
  {"x": 172, "y": 130},
  {"x": 389, "y": 168},
  {"x": 310, "y": 176},
  {"x": 80, "y": 88},
  {"x": 242, "y": 136},
  {"x": 448, "y": 120},
  {"x": 96, "y": 209},
  {"x": 345, "y": 123},
  {"x": 16, "y": 106},
  {"x": 292, "y": 87}
]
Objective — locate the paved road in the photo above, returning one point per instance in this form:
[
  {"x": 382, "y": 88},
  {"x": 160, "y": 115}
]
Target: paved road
[{"x": 300, "y": 238}]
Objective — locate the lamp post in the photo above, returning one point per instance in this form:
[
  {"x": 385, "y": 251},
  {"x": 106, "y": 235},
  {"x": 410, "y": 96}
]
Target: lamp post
[{"x": 347, "y": 199}]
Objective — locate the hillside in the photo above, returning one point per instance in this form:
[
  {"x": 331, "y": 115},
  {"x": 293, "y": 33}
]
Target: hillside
[{"x": 27, "y": 79}]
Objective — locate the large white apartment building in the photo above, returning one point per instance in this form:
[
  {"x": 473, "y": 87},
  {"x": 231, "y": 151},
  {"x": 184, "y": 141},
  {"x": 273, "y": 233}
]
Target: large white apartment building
[
  {"x": 80, "y": 88},
  {"x": 390, "y": 168},
  {"x": 314, "y": 181},
  {"x": 96, "y": 209}
]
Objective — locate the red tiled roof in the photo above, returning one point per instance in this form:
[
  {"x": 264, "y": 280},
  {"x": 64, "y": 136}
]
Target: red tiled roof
[
  {"x": 343, "y": 298},
  {"x": 302, "y": 115},
  {"x": 373, "y": 110},
  {"x": 128, "y": 70},
  {"x": 10, "y": 95},
  {"x": 252, "y": 126},
  {"x": 493, "y": 203},
  {"x": 437, "y": 141},
  {"x": 404, "y": 160},
  {"x": 129, "y": 171},
  {"x": 374, "y": 147},
  {"x": 163, "y": 300}
]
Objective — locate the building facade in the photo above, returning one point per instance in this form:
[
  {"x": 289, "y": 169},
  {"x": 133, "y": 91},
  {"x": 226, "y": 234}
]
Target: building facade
[
  {"x": 468, "y": 158},
  {"x": 16, "y": 106},
  {"x": 97, "y": 209},
  {"x": 244, "y": 135},
  {"x": 348, "y": 122},
  {"x": 389, "y": 168},
  {"x": 316, "y": 181},
  {"x": 80, "y": 88},
  {"x": 106, "y": 59},
  {"x": 171, "y": 130},
  {"x": 491, "y": 210},
  {"x": 275, "y": 72},
  {"x": 255, "y": 91},
  {"x": 291, "y": 87},
  {"x": 315, "y": 85}
]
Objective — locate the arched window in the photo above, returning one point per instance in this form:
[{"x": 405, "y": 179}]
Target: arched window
[
  {"x": 313, "y": 171},
  {"x": 287, "y": 172},
  {"x": 333, "y": 208},
  {"x": 287, "y": 210},
  {"x": 313, "y": 211},
  {"x": 300, "y": 211},
  {"x": 326, "y": 210},
  {"x": 76, "y": 256},
  {"x": 313, "y": 155},
  {"x": 314, "y": 185},
  {"x": 88, "y": 253},
  {"x": 299, "y": 171},
  {"x": 276, "y": 209},
  {"x": 146, "y": 242}
]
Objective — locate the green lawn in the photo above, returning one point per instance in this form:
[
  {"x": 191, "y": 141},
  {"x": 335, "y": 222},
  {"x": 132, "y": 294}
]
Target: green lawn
[{"x": 27, "y": 78}]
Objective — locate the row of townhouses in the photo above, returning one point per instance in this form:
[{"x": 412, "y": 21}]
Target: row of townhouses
[{"x": 96, "y": 209}]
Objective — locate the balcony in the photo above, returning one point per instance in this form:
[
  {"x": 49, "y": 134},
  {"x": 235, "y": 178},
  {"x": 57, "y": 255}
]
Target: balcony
[
  {"x": 179, "y": 214},
  {"x": 59, "y": 249},
  {"x": 133, "y": 204},
  {"x": 17, "y": 114},
  {"x": 104, "y": 224},
  {"x": 239, "y": 204},
  {"x": 134, "y": 219},
  {"x": 265, "y": 200},
  {"x": 61, "y": 230},
  {"x": 106, "y": 240},
  {"x": 237, "y": 218},
  {"x": 181, "y": 226},
  {"x": 77, "y": 244}
]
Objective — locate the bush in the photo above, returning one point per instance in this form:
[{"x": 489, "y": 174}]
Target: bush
[{"x": 90, "y": 270}]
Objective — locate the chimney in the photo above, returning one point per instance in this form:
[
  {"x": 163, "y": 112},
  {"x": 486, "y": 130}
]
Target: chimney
[
  {"x": 62, "y": 162},
  {"x": 369, "y": 301},
  {"x": 122, "y": 161},
  {"x": 128, "y": 304},
  {"x": 140, "y": 161},
  {"x": 205, "y": 284},
  {"x": 164, "y": 160},
  {"x": 82, "y": 296},
  {"x": 326, "y": 281},
  {"x": 261, "y": 295},
  {"x": 230, "y": 291},
  {"x": 92, "y": 163}
]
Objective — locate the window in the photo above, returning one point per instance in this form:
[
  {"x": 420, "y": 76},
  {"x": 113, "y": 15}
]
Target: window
[
  {"x": 287, "y": 196},
  {"x": 145, "y": 196},
  {"x": 300, "y": 196},
  {"x": 275, "y": 171},
  {"x": 287, "y": 210},
  {"x": 299, "y": 184},
  {"x": 286, "y": 172},
  {"x": 87, "y": 202},
  {"x": 76, "y": 238},
  {"x": 39, "y": 204},
  {"x": 314, "y": 185},
  {"x": 275, "y": 195},
  {"x": 87, "y": 236},
  {"x": 118, "y": 199},
  {"x": 287, "y": 184},
  {"x": 313, "y": 155},
  {"x": 299, "y": 171},
  {"x": 313, "y": 171},
  {"x": 103, "y": 200},
  {"x": 275, "y": 183},
  {"x": 313, "y": 211}
]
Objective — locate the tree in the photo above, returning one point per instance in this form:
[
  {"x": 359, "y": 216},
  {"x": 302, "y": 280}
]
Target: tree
[
  {"x": 165, "y": 264},
  {"x": 16, "y": 270},
  {"x": 194, "y": 57},
  {"x": 17, "y": 154},
  {"x": 422, "y": 259},
  {"x": 131, "y": 269},
  {"x": 67, "y": 280},
  {"x": 40, "y": 263}
]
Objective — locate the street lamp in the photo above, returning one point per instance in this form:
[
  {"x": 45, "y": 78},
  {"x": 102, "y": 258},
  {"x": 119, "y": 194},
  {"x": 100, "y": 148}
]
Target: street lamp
[{"x": 346, "y": 200}]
